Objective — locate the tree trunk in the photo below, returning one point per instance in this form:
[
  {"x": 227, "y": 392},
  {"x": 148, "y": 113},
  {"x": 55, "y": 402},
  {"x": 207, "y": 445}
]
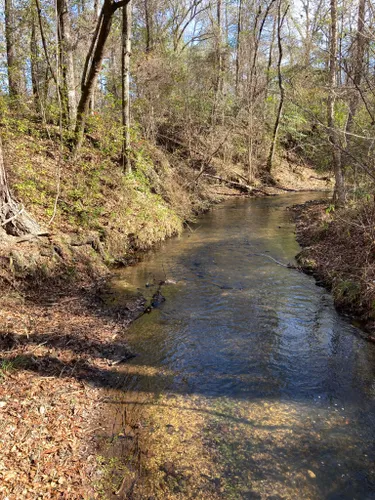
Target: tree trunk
[
  {"x": 219, "y": 48},
  {"x": 66, "y": 56},
  {"x": 360, "y": 46},
  {"x": 269, "y": 62},
  {"x": 12, "y": 60},
  {"x": 280, "y": 22},
  {"x": 149, "y": 34},
  {"x": 35, "y": 72},
  {"x": 238, "y": 48},
  {"x": 125, "y": 69},
  {"x": 339, "y": 196},
  {"x": 93, "y": 64},
  {"x": 13, "y": 218}
]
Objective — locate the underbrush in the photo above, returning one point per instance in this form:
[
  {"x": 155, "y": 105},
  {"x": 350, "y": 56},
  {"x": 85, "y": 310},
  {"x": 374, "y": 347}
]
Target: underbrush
[
  {"x": 339, "y": 248},
  {"x": 91, "y": 210}
]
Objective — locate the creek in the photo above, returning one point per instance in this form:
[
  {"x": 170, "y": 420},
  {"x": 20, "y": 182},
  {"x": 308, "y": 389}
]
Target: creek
[{"x": 247, "y": 383}]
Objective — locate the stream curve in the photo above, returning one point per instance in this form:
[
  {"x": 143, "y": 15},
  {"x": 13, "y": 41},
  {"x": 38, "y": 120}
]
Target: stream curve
[{"x": 247, "y": 383}]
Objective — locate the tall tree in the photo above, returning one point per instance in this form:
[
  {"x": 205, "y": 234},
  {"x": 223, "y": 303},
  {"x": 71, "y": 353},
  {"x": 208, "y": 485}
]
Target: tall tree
[
  {"x": 358, "y": 62},
  {"x": 66, "y": 60},
  {"x": 93, "y": 63},
  {"x": 340, "y": 191},
  {"x": 13, "y": 66},
  {"x": 238, "y": 45},
  {"x": 280, "y": 22},
  {"x": 125, "y": 70}
]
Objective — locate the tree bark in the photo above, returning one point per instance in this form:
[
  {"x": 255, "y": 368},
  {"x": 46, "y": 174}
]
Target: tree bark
[
  {"x": 149, "y": 34},
  {"x": 360, "y": 45},
  {"x": 66, "y": 56},
  {"x": 280, "y": 22},
  {"x": 238, "y": 47},
  {"x": 12, "y": 60},
  {"x": 125, "y": 69},
  {"x": 339, "y": 196},
  {"x": 93, "y": 65},
  {"x": 35, "y": 71}
]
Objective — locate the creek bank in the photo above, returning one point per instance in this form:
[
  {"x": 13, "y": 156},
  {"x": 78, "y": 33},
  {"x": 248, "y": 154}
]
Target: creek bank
[{"x": 338, "y": 250}]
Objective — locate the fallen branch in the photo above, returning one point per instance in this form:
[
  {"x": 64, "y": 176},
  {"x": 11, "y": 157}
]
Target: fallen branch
[
  {"x": 238, "y": 185},
  {"x": 31, "y": 237},
  {"x": 287, "y": 266},
  {"x": 13, "y": 216}
]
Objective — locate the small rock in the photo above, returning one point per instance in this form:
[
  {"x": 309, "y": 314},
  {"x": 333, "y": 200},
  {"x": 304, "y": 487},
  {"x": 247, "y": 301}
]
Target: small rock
[
  {"x": 170, "y": 429},
  {"x": 3, "y": 404},
  {"x": 311, "y": 474}
]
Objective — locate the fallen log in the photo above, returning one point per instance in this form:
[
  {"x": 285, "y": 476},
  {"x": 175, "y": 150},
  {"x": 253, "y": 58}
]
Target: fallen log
[{"x": 238, "y": 185}]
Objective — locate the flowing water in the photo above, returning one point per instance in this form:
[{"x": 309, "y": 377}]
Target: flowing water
[{"x": 248, "y": 384}]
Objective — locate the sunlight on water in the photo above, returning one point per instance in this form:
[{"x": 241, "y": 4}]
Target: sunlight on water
[{"x": 247, "y": 383}]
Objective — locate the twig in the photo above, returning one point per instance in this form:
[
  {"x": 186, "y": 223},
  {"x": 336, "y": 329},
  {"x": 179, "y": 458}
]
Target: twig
[{"x": 287, "y": 266}]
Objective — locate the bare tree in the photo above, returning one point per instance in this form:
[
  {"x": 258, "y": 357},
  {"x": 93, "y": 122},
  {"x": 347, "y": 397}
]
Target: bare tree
[
  {"x": 93, "y": 62},
  {"x": 12, "y": 59},
  {"x": 280, "y": 22}
]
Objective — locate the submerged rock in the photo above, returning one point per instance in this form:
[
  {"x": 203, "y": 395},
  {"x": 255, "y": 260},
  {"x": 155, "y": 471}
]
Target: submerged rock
[{"x": 157, "y": 299}]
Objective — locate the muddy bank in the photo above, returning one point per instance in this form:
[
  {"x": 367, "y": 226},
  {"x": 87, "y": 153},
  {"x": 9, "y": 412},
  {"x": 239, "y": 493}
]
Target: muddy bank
[{"x": 338, "y": 249}]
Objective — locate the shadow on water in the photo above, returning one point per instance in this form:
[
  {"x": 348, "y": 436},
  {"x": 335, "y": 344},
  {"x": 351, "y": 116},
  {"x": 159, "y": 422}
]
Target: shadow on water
[{"x": 246, "y": 383}]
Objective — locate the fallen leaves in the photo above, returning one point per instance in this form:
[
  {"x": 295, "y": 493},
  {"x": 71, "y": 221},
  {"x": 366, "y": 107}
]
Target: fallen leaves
[{"x": 53, "y": 362}]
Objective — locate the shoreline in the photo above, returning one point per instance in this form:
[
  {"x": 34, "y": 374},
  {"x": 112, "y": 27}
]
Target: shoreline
[{"x": 329, "y": 259}]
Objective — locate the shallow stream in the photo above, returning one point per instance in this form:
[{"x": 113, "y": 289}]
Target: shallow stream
[{"x": 247, "y": 383}]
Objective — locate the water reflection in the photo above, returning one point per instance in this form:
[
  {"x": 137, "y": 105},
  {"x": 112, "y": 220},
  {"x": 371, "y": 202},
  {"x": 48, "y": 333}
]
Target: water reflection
[{"x": 252, "y": 385}]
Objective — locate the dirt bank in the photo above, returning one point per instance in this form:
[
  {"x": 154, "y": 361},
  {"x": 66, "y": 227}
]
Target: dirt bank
[{"x": 338, "y": 249}]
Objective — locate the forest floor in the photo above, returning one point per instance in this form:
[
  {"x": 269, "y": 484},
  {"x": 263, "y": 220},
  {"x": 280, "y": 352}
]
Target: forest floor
[
  {"x": 59, "y": 343},
  {"x": 339, "y": 250}
]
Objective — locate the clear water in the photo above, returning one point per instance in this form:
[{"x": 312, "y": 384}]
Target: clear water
[{"x": 247, "y": 380}]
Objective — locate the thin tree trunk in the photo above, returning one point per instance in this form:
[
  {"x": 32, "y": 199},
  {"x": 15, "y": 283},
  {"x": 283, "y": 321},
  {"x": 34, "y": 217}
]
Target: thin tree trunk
[
  {"x": 358, "y": 65},
  {"x": 12, "y": 60},
  {"x": 269, "y": 63},
  {"x": 280, "y": 22},
  {"x": 69, "y": 100},
  {"x": 93, "y": 64},
  {"x": 340, "y": 192},
  {"x": 35, "y": 72},
  {"x": 238, "y": 48},
  {"x": 219, "y": 48},
  {"x": 125, "y": 69},
  {"x": 148, "y": 18}
]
